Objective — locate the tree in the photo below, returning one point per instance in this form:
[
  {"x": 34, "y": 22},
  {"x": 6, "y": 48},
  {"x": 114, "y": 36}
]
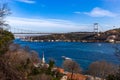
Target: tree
[
  {"x": 4, "y": 11},
  {"x": 5, "y": 40},
  {"x": 14, "y": 47},
  {"x": 34, "y": 57},
  {"x": 51, "y": 65},
  {"x": 41, "y": 77},
  {"x": 101, "y": 69},
  {"x": 118, "y": 74},
  {"x": 5, "y": 36},
  {"x": 11, "y": 67},
  {"x": 111, "y": 77},
  {"x": 71, "y": 66},
  {"x": 115, "y": 76}
]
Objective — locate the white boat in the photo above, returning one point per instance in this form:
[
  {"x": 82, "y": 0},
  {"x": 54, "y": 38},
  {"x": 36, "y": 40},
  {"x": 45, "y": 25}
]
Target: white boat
[{"x": 66, "y": 58}]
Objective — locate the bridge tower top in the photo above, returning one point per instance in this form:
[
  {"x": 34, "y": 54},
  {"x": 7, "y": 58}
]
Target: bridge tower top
[{"x": 95, "y": 28}]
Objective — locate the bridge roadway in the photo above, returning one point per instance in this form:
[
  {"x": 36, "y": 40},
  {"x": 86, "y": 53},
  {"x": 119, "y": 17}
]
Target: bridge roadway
[{"x": 56, "y": 33}]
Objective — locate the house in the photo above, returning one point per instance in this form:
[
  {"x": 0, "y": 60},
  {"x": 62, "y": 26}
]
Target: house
[
  {"x": 64, "y": 78},
  {"x": 76, "y": 76},
  {"x": 111, "y": 38},
  {"x": 60, "y": 70}
]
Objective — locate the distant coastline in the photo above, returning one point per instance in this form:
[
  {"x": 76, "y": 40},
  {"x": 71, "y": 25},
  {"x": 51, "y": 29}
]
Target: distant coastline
[{"x": 108, "y": 36}]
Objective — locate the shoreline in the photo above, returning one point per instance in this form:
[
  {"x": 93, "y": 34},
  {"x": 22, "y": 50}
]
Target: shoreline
[{"x": 82, "y": 41}]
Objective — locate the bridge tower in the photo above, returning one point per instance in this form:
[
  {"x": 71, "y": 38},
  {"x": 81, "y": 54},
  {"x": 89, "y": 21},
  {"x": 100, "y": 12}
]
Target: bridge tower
[{"x": 95, "y": 28}]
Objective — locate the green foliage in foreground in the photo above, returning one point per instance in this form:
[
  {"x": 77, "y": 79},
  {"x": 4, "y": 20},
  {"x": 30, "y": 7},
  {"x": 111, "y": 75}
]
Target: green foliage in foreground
[
  {"x": 16, "y": 63},
  {"x": 115, "y": 76},
  {"x": 5, "y": 39}
]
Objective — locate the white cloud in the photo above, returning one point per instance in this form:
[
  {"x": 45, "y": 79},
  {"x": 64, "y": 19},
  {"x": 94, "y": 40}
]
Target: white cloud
[
  {"x": 46, "y": 25},
  {"x": 99, "y": 12},
  {"x": 27, "y": 1}
]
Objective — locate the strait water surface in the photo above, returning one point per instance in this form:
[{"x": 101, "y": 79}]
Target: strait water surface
[{"x": 83, "y": 53}]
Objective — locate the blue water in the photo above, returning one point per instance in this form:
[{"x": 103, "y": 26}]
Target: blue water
[{"x": 83, "y": 53}]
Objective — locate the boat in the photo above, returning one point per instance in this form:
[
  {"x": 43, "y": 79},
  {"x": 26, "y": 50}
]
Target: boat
[{"x": 66, "y": 58}]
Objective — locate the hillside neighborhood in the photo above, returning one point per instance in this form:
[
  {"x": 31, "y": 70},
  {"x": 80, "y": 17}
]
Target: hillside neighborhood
[{"x": 107, "y": 36}]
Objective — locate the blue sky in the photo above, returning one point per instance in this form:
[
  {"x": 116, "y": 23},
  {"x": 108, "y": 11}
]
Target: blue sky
[{"x": 64, "y": 15}]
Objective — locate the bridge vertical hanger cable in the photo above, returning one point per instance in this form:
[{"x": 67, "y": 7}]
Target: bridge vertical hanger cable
[{"x": 102, "y": 30}]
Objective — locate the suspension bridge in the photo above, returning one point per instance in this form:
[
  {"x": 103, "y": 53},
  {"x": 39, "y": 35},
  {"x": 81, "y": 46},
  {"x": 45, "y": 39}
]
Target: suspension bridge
[
  {"x": 24, "y": 31},
  {"x": 21, "y": 31},
  {"x": 31, "y": 35},
  {"x": 28, "y": 34}
]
